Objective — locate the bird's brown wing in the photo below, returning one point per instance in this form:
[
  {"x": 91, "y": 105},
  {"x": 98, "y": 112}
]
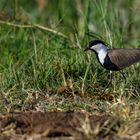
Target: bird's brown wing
[{"x": 124, "y": 57}]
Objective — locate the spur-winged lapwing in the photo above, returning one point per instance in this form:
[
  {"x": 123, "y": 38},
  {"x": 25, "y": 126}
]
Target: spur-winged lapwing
[{"x": 114, "y": 59}]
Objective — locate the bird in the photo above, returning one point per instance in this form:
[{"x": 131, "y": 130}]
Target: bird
[{"x": 115, "y": 59}]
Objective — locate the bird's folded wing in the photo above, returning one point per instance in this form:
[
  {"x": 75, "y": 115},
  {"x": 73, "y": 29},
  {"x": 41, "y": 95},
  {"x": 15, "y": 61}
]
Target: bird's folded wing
[{"x": 124, "y": 57}]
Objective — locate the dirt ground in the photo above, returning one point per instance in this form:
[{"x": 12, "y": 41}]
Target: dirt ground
[{"x": 58, "y": 126}]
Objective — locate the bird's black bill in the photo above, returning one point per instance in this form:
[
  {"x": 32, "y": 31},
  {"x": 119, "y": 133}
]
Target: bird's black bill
[{"x": 86, "y": 49}]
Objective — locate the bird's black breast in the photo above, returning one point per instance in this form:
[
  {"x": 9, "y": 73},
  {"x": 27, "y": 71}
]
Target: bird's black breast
[{"x": 109, "y": 65}]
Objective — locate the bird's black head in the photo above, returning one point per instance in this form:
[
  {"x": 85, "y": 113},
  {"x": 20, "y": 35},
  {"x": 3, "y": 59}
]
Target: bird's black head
[{"x": 93, "y": 45}]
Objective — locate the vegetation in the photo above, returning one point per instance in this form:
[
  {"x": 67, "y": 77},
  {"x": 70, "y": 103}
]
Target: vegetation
[{"x": 43, "y": 65}]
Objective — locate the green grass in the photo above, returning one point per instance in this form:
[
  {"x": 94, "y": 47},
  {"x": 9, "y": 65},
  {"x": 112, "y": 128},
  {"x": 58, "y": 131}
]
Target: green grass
[{"x": 34, "y": 60}]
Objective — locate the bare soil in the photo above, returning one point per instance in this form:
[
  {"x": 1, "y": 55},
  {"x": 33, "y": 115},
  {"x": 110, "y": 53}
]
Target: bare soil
[{"x": 58, "y": 126}]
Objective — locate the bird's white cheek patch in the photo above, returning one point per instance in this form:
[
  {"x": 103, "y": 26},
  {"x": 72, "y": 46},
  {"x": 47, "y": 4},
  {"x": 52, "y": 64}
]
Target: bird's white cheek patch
[{"x": 94, "y": 47}]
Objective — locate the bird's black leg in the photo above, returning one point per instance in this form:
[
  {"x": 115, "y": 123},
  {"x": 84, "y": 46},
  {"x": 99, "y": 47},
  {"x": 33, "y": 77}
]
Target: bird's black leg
[
  {"x": 109, "y": 80},
  {"x": 123, "y": 75}
]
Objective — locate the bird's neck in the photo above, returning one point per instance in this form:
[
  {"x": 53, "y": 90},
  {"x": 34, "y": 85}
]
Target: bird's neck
[{"x": 102, "y": 53}]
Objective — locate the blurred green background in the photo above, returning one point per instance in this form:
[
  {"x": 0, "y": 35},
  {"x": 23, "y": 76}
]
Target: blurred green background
[{"x": 78, "y": 16}]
